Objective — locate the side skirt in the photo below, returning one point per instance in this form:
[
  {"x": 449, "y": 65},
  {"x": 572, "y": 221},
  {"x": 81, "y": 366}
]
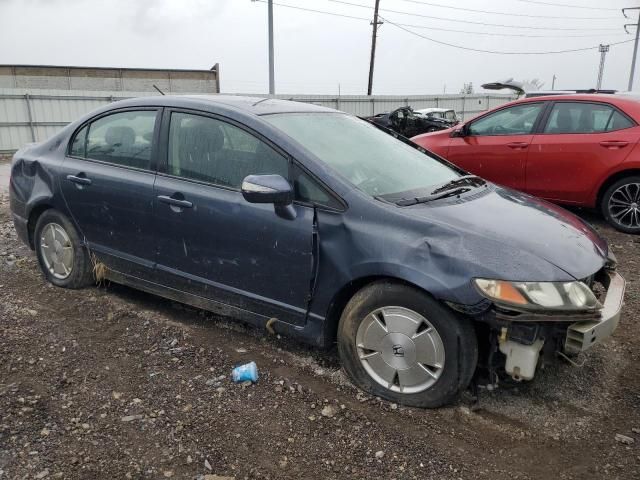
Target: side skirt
[{"x": 307, "y": 334}]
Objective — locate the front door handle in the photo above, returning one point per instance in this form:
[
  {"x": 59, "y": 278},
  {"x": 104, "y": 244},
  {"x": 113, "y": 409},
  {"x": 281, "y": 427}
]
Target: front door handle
[
  {"x": 175, "y": 202},
  {"x": 614, "y": 143},
  {"x": 517, "y": 145},
  {"x": 80, "y": 179}
]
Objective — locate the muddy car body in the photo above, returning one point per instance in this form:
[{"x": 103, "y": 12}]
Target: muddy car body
[{"x": 322, "y": 226}]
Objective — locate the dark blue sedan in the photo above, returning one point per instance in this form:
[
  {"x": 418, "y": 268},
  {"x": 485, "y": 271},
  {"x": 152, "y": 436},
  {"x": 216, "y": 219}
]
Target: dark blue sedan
[{"x": 325, "y": 228}]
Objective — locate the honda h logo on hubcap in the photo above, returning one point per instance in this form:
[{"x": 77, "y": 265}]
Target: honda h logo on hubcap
[{"x": 398, "y": 351}]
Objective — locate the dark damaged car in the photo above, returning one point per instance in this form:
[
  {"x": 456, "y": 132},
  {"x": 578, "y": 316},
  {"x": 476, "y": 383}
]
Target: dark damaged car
[
  {"x": 323, "y": 227},
  {"x": 408, "y": 123}
]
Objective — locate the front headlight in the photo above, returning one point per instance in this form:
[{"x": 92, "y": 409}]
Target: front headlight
[{"x": 571, "y": 296}]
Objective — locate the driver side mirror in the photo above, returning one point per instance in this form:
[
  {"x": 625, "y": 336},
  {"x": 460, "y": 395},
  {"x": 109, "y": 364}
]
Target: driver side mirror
[
  {"x": 461, "y": 131},
  {"x": 267, "y": 189}
]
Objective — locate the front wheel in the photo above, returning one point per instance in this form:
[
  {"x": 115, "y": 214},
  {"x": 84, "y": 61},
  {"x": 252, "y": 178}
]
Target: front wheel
[
  {"x": 400, "y": 344},
  {"x": 621, "y": 205}
]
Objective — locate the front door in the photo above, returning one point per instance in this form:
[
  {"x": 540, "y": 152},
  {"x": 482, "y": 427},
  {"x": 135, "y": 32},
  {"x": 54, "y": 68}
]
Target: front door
[
  {"x": 107, "y": 183},
  {"x": 212, "y": 242},
  {"x": 496, "y": 145}
]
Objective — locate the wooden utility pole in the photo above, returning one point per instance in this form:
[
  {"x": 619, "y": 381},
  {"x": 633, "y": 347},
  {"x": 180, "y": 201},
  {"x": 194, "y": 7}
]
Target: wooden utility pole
[{"x": 373, "y": 46}]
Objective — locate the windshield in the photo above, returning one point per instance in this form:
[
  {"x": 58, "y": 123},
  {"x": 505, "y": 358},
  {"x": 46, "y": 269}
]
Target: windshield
[{"x": 370, "y": 159}]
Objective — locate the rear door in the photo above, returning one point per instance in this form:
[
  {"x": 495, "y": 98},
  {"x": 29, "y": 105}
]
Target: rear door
[
  {"x": 496, "y": 145},
  {"x": 579, "y": 143},
  {"x": 107, "y": 183},
  {"x": 211, "y": 241}
]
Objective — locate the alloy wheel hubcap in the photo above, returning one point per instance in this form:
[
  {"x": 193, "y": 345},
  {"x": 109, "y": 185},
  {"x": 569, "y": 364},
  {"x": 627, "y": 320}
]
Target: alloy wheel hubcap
[
  {"x": 624, "y": 205},
  {"x": 400, "y": 349},
  {"x": 56, "y": 250}
]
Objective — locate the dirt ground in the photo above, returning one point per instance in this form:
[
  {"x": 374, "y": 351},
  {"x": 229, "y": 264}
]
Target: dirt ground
[{"x": 111, "y": 383}]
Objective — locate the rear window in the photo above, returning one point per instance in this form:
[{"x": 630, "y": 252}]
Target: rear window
[{"x": 123, "y": 138}]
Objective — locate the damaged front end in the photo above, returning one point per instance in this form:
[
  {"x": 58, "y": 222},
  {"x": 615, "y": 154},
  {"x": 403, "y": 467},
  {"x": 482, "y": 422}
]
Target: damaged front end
[{"x": 528, "y": 336}]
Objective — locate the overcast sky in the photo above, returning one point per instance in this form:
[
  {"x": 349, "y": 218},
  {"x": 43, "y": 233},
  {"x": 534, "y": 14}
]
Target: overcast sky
[{"x": 317, "y": 52}]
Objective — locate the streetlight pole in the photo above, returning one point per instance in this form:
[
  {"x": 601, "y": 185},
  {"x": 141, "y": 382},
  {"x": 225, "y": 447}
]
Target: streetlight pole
[
  {"x": 603, "y": 53},
  {"x": 635, "y": 46},
  {"x": 272, "y": 84}
]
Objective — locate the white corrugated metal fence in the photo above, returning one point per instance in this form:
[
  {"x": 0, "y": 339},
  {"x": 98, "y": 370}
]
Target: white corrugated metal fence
[{"x": 35, "y": 115}]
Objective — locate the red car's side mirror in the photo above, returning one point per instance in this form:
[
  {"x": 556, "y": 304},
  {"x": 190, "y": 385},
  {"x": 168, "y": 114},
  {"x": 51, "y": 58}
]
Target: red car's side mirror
[{"x": 459, "y": 132}]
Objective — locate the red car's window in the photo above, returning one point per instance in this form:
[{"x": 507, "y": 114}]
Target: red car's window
[
  {"x": 618, "y": 122},
  {"x": 516, "y": 120},
  {"x": 582, "y": 117}
]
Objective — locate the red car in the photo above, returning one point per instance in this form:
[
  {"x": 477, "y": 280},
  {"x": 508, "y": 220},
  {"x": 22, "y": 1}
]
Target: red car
[{"x": 570, "y": 149}]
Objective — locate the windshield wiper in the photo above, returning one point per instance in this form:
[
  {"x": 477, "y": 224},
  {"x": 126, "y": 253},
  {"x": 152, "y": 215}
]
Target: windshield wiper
[
  {"x": 472, "y": 180},
  {"x": 406, "y": 202}
]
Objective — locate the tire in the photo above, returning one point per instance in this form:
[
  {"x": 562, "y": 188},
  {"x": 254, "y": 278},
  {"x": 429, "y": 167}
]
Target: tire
[
  {"x": 450, "y": 354},
  {"x": 621, "y": 196},
  {"x": 68, "y": 265}
]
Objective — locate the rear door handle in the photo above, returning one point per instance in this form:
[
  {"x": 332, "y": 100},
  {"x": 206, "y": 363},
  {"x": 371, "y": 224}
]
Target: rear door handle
[
  {"x": 614, "y": 143},
  {"x": 79, "y": 179},
  {"x": 176, "y": 202},
  {"x": 517, "y": 145}
]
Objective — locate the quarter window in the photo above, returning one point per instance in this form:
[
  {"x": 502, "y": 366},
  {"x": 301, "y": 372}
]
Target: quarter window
[
  {"x": 583, "y": 117},
  {"x": 618, "y": 122},
  {"x": 309, "y": 190},
  {"x": 123, "y": 138},
  {"x": 516, "y": 120},
  {"x": 79, "y": 144},
  {"x": 209, "y": 150}
]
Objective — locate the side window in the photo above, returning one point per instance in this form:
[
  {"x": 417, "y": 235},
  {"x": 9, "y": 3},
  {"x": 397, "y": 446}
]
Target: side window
[
  {"x": 213, "y": 151},
  {"x": 309, "y": 191},
  {"x": 79, "y": 144},
  {"x": 516, "y": 120},
  {"x": 575, "y": 117},
  {"x": 122, "y": 138},
  {"x": 618, "y": 122}
]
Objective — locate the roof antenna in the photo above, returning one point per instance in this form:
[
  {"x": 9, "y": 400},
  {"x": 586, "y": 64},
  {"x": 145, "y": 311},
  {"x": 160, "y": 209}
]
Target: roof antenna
[
  {"x": 260, "y": 101},
  {"x": 161, "y": 92}
]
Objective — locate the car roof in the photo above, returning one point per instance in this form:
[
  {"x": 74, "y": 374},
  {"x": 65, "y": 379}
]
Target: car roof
[
  {"x": 251, "y": 105},
  {"x": 582, "y": 97}
]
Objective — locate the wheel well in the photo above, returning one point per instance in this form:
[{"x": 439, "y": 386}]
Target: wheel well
[
  {"x": 343, "y": 296},
  {"x": 33, "y": 220},
  {"x": 611, "y": 180}
]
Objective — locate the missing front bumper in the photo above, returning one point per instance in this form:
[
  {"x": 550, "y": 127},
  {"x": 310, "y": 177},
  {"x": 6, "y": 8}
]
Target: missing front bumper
[{"x": 583, "y": 335}]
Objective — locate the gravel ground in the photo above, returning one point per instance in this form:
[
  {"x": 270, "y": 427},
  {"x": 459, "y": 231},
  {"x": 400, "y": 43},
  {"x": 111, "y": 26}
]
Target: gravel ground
[{"x": 112, "y": 383}]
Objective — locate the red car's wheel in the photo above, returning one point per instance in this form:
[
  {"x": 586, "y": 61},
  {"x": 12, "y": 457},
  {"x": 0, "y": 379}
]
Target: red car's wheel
[{"x": 621, "y": 204}]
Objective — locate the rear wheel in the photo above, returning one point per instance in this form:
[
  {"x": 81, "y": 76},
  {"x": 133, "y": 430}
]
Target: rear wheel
[
  {"x": 400, "y": 344},
  {"x": 62, "y": 257},
  {"x": 621, "y": 204}
]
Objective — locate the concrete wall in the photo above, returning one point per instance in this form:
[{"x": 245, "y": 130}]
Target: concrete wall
[{"x": 109, "y": 79}]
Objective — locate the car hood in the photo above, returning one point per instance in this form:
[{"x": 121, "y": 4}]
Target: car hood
[{"x": 514, "y": 235}]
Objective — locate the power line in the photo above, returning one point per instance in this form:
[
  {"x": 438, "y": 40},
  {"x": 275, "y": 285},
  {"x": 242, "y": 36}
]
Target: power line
[
  {"x": 471, "y": 22},
  {"x": 567, "y": 6},
  {"x": 314, "y": 11},
  {"x": 551, "y": 52},
  {"x": 521, "y": 35},
  {"x": 493, "y": 12},
  {"x": 496, "y": 34}
]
